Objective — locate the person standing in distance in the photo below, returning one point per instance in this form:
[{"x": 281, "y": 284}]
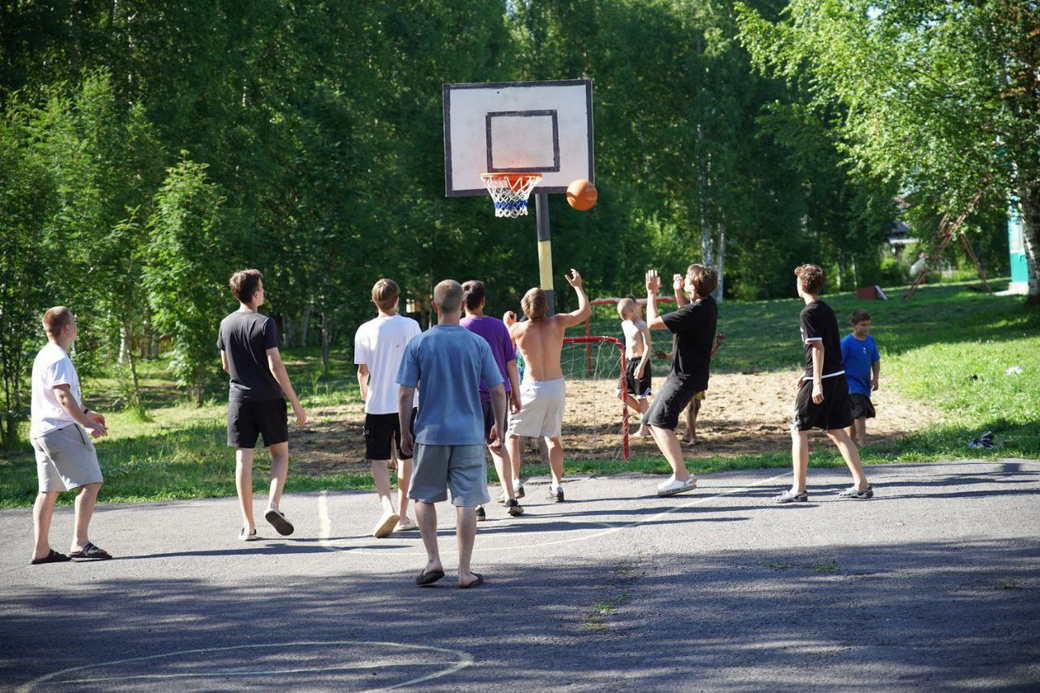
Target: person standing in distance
[
  {"x": 65, "y": 455},
  {"x": 248, "y": 343}
]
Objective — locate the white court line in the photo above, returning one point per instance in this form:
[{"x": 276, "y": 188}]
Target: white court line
[
  {"x": 324, "y": 522},
  {"x": 465, "y": 659}
]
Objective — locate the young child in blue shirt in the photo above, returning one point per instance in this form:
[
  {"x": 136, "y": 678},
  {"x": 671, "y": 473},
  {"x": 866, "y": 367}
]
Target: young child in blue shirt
[{"x": 859, "y": 353}]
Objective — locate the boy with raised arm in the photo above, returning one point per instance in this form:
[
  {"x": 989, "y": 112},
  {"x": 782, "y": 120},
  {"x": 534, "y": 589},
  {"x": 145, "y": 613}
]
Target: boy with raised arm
[
  {"x": 637, "y": 356},
  {"x": 693, "y": 328},
  {"x": 693, "y": 409},
  {"x": 378, "y": 348},
  {"x": 65, "y": 455},
  {"x": 823, "y": 393},
  {"x": 447, "y": 364},
  {"x": 248, "y": 343},
  {"x": 496, "y": 334},
  {"x": 542, "y": 392}
]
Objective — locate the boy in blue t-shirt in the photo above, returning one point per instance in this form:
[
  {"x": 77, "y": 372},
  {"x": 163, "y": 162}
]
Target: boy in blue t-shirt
[{"x": 859, "y": 353}]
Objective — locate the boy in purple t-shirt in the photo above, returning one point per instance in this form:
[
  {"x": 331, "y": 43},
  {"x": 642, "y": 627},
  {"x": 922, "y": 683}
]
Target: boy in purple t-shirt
[{"x": 496, "y": 334}]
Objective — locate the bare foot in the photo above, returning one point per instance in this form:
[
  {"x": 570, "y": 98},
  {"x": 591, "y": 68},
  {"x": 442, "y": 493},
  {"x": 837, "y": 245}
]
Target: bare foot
[
  {"x": 467, "y": 580},
  {"x": 689, "y": 441}
]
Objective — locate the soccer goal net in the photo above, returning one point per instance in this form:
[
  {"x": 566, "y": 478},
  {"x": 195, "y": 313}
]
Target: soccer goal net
[{"x": 596, "y": 419}]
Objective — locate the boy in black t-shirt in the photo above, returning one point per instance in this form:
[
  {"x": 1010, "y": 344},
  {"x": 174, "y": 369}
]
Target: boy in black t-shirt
[
  {"x": 693, "y": 326},
  {"x": 823, "y": 394},
  {"x": 248, "y": 343}
]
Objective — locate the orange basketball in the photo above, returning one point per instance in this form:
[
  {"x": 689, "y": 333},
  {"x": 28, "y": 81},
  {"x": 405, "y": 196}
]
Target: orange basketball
[{"x": 582, "y": 195}]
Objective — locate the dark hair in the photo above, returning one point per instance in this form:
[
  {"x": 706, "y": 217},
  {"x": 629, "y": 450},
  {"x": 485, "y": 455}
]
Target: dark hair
[
  {"x": 535, "y": 304},
  {"x": 244, "y": 284},
  {"x": 859, "y": 315},
  {"x": 704, "y": 279},
  {"x": 55, "y": 320},
  {"x": 473, "y": 294},
  {"x": 385, "y": 293},
  {"x": 811, "y": 278}
]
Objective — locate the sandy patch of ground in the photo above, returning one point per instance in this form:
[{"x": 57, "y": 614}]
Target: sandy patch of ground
[{"x": 744, "y": 414}]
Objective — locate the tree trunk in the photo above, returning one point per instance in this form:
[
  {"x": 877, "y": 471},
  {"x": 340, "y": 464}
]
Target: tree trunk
[
  {"x": 305, "y": 328},
  {"x": 720, "y": 264},
  {"x": 324, "y": 343},
  {"x": 127, "y": 339},
  {"x": 1029, "y": 200}
]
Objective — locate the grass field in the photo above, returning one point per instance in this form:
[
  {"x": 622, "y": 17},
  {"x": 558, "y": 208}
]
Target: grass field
[{"x": 949, "y": 346}]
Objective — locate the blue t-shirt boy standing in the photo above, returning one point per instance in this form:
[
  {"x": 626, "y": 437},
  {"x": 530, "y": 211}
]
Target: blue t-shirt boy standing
[{"x": 862, "y": 362}]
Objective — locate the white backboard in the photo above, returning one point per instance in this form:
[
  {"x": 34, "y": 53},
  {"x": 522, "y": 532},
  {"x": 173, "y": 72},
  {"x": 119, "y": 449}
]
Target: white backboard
[{"x": 543, "y": 127}]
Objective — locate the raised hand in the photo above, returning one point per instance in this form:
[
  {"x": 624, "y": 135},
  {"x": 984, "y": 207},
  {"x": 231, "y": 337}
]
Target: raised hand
[
  {"x": 678, "y": 282},
  {"x": 653, "y": 281},
  {"x": 574, "y": 279},
  {"x": 509, "y": 318}
]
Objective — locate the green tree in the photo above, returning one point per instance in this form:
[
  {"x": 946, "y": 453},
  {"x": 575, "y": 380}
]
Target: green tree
[
  {"x": 185, "y": 272},
  {"x": 940, "y": 95}
]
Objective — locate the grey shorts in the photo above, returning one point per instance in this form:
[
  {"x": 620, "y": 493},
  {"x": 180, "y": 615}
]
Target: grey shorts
[
  {"x": 541, "y": 409},
  {"x": 461, "y": 468},
  {"x": 66, "y": 459}
]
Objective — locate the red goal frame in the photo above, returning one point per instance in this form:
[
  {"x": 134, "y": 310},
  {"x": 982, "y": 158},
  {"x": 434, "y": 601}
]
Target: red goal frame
[{"x": 589, "y": 341}]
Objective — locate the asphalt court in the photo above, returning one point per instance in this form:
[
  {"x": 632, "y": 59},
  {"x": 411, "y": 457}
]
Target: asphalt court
[{"x": 934, "y": 582}]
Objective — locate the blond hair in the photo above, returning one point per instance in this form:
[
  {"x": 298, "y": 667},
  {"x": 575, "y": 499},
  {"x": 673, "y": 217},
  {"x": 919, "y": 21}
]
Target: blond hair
[{"x": 385, "y": 293}]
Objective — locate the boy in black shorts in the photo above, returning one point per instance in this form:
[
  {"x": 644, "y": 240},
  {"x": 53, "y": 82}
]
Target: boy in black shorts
[
  {"x": 693, "y": 326},
  {"x": 823, "y": 394},
  {"x": 248, "y": 344},
  {"x": 637, "y": 355},
  {"x": 378, "y": 347}
]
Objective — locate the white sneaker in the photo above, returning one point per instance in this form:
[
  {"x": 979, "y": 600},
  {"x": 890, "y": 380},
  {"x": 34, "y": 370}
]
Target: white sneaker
[
  {"x": 674, "y": 486},
  {"x": 405, "y": 524},
  {"x": 518, "y": 488},
  {"x": 386, "y": 524}
]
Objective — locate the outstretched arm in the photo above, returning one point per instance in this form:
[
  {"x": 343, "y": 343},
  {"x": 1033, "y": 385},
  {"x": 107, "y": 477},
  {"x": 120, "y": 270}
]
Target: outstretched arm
[
  {"x": 584, "y": 307},
  {"x": 653, "y": 285},
  {"x": 679, "y": 289}
]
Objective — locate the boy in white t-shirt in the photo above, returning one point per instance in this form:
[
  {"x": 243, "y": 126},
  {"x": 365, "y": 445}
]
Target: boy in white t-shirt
[
  {"x": 637, "y": 356},
  {"x": 378, "y": 347},
  {"x": 65, "y": 456}
]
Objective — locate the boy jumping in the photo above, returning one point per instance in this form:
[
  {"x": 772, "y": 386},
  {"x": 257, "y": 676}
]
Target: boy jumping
[
  {"x": 859, "y": 354},
  {"x": 823, "y": 394},
  {"x": 248, "y": 343},
  {"x": 694, "y": 328},
  {"x": 693, "y": 409},
  {"x": 637, "y": 355},
  {"x": 378, "y": 347}
]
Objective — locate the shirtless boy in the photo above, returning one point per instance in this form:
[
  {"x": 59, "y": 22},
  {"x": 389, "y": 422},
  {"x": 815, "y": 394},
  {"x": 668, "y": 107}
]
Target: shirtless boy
[{"x": 542, "y": 392}]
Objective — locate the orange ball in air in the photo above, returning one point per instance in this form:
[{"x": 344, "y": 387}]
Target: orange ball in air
[{"x": 582, "y": 195}]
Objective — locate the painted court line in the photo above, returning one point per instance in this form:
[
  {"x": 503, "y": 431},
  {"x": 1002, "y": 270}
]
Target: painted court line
[
  {"x": 464, "y": 659},
  {"x": 325, "y": 525}
]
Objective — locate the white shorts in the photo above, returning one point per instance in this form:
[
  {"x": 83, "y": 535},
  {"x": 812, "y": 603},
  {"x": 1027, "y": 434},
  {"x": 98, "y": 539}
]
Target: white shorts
[{"x": 541, "y": 409}]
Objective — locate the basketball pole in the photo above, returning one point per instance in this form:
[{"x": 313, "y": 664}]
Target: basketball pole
[{"x": 545, "y": 270}]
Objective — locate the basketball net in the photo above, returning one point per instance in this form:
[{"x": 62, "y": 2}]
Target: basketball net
[
  {"x": 600, "y": 362},
  {"x": 509, "y": 191}
]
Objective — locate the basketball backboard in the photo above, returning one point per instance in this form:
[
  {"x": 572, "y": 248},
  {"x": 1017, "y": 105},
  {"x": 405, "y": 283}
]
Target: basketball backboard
[{"x": 537, "y": 127}]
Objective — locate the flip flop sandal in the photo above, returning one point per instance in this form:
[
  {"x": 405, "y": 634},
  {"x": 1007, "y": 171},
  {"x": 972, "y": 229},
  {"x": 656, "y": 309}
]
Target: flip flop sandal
[
  {"x": 92, "y": 552},
  {"x": 476, "y": 583},
  {"x": 425, "y": 579},
  {"x": 52, "y": 557}
]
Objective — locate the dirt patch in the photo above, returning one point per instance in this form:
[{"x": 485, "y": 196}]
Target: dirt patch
[{"x": 744, "y": 414}]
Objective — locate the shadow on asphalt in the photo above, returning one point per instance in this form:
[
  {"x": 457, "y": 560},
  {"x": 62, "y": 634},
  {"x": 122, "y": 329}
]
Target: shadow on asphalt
[{"x": 936, "y": 614}]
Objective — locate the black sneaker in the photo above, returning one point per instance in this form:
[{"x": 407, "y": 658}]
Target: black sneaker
[
  {"x": 556, "y": 494},
  {"x": 277, "y": 519},
  {"x": 789, "y": 496},
  {"x": 853, "y": 493},
  {"x": 519, "y": 490},
  {"x": 481, "y": 515},
  {"x": 514, "y": 508}
]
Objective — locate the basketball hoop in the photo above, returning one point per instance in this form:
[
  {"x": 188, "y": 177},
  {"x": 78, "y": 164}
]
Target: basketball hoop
[{"x": 509, "y": 191}]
